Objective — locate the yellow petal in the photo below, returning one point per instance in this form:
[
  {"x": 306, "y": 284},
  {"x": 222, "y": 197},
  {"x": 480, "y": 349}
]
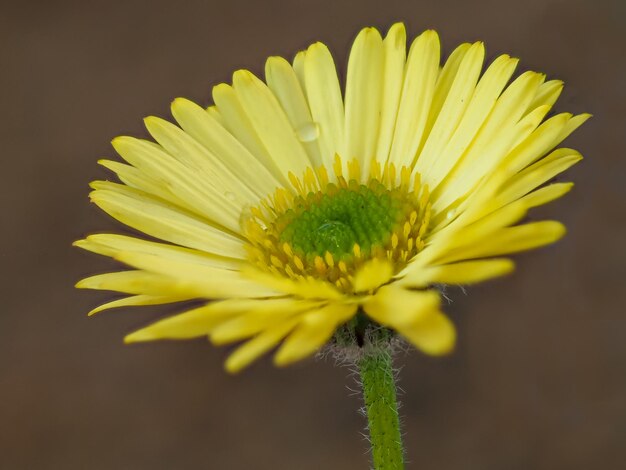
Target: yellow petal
[
  {"x": 161, "y": 220},
  {"x": 283, "y": 82},
  {"x": 188, "y": 185},
  {"x": 422, "y": 69},
  {"x": 298, "y": 67},
  {"x": 482, "y": 101},
  {"x": 554, "y": 155},
  {"x": 138, "y": 179},
  {"x": 510, "y": 240},
  {"x": 534, "y": 176},
  {"x": 468, "y": 231},
  {"x": 468, "y": 272},
  {"x": 452, "y": 109},
  {"x": 199, "y": 159},
  {"x": 435, "y": 334},
  {"x": 324, "y": 95},
  {"x": 393, "y": 305},
  {"x": 259, "y": 345},
  {"x": 526, "y": 126},
  {"x": 307, "y": 288},
  {"x": 574, "y": 123},
  {"x": 108, "y": 244},
  {"x": 140, "y": 283},
  {"x": 372, "y": 274},
  {"x": 270, "y": 123},
  {"x": 394, "y": 46},
  {"x": 236, "y": 121},
  {"x": 445, "y": 80},
  {"x": 190, "y": 324},
  {"x": 139, "y": 300},
  {"x": 313, "y": 331},
  {"x": 364, "y": 87},
  {"x": 209, "y": 281},
  {"x": 542, "y": 140},
  {"x": 414, "y": 315},
  {"x": 546, "y": 194},
  {"x": 494, "y": 140},
  {"x": 203, "y": 127},
  {"x": 254, "y": 316},
  {"x": 547, "y": 94},
  {"x": 213, "y": 113},
  {"x": 504, "y": 186}
]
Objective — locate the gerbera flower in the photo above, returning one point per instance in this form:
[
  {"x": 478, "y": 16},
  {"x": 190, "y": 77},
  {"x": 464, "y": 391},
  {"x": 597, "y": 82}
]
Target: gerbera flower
[{"x": 293, "y": 208}]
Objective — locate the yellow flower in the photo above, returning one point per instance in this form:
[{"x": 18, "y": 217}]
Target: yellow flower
[{"x": 292, "y": 207}]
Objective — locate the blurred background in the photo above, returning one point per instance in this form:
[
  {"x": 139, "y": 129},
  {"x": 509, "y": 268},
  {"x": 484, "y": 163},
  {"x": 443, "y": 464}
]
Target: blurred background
[{"x": 538, "y": 380}]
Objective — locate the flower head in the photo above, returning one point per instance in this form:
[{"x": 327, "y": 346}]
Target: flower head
[{"x": 291, "y": 207}]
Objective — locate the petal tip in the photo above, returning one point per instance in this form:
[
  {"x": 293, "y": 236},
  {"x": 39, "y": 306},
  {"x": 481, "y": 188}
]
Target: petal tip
[
  {"x": 93, "y": 311},
  {"x": 139, "y": 336},
  {"x": 397, "y": 28},
  {"x": 118, "y": 141},
  {"x": 218, "y": 339},
  {"x": 560, "y": 231},
  {"x": 180, "y": 103},
  {"x": 446, "y": 344},
  {"x": 152, "y": 121},
  {"x": 317, "y": 46},
  {"x": 243, "y": 77},
  {"x": 282, "y": 360},
  {"x": 431, "y": 34},
  {"x": 232, "y": 367}
]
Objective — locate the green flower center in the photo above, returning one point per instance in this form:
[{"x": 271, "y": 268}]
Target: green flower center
[
  {"x": 342, "y": 217},
  {"x": 329, "y": 230}
]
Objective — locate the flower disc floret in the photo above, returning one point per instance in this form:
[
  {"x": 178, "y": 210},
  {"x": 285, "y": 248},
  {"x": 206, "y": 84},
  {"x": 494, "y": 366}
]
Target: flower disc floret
[
  {"x": 328, "y": 229},
  {"x": 339, "y": 218}
]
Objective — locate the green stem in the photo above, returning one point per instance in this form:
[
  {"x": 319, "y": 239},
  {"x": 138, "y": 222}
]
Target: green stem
[{"x": 379, "y": 393}]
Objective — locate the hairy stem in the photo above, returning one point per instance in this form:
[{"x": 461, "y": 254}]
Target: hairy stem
[{"x": 379, "y": 393}]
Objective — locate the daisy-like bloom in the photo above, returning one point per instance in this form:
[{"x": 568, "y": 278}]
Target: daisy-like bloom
[{"x": 293, "y": 208}]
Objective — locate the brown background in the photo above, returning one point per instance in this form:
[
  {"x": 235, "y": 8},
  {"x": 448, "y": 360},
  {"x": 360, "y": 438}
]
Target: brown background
[{"x": 538, "y": 380}]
